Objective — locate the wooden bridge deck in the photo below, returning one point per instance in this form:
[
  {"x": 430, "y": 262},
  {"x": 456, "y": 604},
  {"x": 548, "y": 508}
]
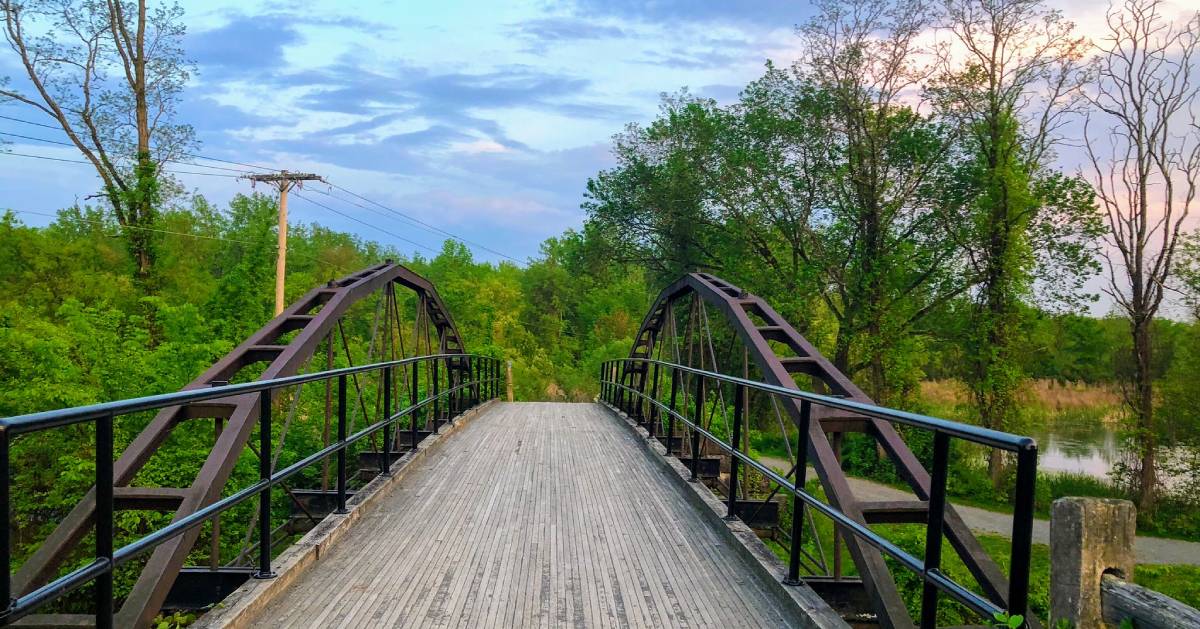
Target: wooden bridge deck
[{"x": 534, "y": 515}]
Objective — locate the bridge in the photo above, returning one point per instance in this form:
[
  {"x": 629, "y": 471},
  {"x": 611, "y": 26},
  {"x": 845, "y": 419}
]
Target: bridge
[{"x": 401, "y": 491}]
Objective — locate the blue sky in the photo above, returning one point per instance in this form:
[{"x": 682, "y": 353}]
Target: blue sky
[{"x": 483, "y": 118}]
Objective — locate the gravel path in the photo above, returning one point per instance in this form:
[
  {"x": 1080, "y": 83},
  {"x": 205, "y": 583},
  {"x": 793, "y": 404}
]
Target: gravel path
[{"x": 1158, "y": 550}]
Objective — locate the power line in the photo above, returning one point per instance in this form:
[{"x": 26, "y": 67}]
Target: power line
[
  {"x": 80, "y": 161},
  {"x": 362, "y": 222},
  {"x": 373, "y": 210},
  {"x": 433, "y": 227},
  {"x": 173, "y": 161},
  {"x": 412, "y": 219},
  {"x": 147, "y": 229},
  {"x": 413, "y": 222},
  {"x": 191, "y": 155}
]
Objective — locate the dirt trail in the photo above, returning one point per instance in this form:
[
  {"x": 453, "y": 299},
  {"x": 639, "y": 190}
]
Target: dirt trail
[{"x": 1149, "y": 550}]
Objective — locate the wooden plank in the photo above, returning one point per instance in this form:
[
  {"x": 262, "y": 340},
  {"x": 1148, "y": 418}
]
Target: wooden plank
[
  {"x": 534, "y": 515},
  {"x": 1121, "y": 600}
]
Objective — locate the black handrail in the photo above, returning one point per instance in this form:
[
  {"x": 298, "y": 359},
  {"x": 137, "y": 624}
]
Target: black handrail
[
  {"x": 483, "y": 376},
  {"x": 614, "y": 392}
]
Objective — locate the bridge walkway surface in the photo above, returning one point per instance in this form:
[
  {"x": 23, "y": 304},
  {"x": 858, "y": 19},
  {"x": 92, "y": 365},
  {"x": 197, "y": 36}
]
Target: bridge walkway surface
[{"x": 533, "y": 515}]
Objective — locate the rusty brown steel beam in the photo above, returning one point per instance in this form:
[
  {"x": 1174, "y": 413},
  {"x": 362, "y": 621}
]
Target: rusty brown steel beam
[
  {"x": 313, "y": 318},
  {"x": 741, "y": 309}
]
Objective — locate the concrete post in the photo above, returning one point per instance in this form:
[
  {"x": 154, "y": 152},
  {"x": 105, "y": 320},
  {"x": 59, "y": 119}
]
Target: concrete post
[{"x": 1088, "y": 538}]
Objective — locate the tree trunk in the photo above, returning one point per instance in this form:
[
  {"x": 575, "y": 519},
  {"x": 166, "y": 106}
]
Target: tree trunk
[
  {"x": 1143, "y": 408},
  {"x": 841, "y": 352},
  {"x": 997, "y": 379}
]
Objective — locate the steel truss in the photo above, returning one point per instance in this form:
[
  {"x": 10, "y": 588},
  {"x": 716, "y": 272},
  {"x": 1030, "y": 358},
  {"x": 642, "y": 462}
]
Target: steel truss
[
  {"x": 314, "y": 318},
  {"x": 782, "y": 354}
]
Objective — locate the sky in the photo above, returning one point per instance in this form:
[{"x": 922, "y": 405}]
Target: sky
[
  {"x": 483, "y": 119},
  {"x": 480, "y": 118}
]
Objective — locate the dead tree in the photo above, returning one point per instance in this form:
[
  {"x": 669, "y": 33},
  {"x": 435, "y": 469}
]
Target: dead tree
[{"x": 1144, "y": 147}]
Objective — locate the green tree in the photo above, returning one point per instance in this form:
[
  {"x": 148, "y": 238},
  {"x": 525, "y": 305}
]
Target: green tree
[
  {"x": 653, "y": 201},
  {"x": 1012, "y": 49},
  {"x": 110, "y": 74}
]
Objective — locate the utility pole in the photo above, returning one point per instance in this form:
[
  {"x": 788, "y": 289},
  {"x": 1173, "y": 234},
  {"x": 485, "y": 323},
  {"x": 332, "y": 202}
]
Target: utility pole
[{"x": 283, "y": 181}]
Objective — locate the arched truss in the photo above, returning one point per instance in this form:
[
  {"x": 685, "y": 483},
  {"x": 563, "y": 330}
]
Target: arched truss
[
  {"x": 285, "y": 344},
  {"x": 782, "y": 354}
]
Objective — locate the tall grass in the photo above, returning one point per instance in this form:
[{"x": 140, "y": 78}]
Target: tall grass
[{"x": 1050, "y": 397}]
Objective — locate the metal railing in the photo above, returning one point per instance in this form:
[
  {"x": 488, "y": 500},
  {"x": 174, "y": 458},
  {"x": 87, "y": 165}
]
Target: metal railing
[
  {"x": 629, "y": 400},
  {"x": 478, "y": 381}
]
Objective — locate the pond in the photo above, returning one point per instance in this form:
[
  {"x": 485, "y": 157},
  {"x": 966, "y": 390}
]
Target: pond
[
  {"x": 1093, "y": 448},
  {"x": 1090, "y": 448}
]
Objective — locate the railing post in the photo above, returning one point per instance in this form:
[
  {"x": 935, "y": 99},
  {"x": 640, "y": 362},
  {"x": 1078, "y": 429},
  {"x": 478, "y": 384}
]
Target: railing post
[
  {"x": 638, "y": 402},
  {"x": 605, "y": 388},
  {"x": 933, "y": 530},
  {"x": 1022, "y": 541},
  {"x": 427, "y": 411},
  {"x": 654, "y": 416},
  {"x": 104, "y": 519},
  {"x": 632, "y": 401},
  {"x": 793, "y": 575},
  {"x": 5, "y": 531},
  {"x": 264, "y": 496},
  {"x": 467, "y": 391},
  {"x": 619, "y": 377},
  {"x": 739, "y": 400},
  {"x": 455, "y": 378},
  {"x": 385, "y": 454},
  {"x": 614, "y": 391},
  {"x": 674, "y": 407},
  {"x": 412, "y": 417},
  {"x": 341, "y": 453},
  {"x": 608, "y": 381},
  {"x": 437, "y": 387},
  {"x": 698, "y": 420}
]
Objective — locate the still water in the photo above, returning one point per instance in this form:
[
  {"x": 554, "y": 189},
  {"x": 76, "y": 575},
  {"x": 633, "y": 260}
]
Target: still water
[
  {"x": 1092, "y": 448},
  {"x": 1082, "y": 447}
]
